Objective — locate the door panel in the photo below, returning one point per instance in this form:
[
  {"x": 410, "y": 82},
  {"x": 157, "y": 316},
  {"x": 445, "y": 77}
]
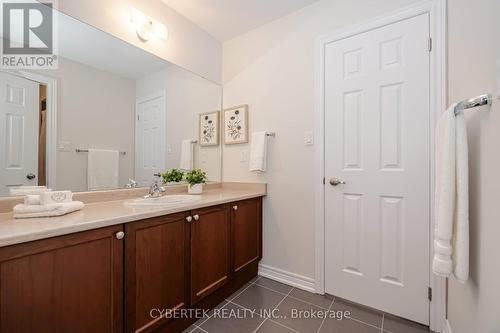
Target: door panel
[
  {"x": 156, "y": 269},
  {"x": 246, "y": 232},
  {"x": 19, "y": 118},
  {"x": 209, "y": 251},
  {"x": 66, "y": 284},
  {"x": 377, "y": 141},
  {"x": 150, "y": 138}
]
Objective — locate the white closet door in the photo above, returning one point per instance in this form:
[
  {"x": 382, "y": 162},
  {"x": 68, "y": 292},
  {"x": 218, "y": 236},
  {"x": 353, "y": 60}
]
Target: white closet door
[
  {"x": 150, "y": 138},
  {"x": 377, "y": 141},
  {"x": 19, "y": 122}
]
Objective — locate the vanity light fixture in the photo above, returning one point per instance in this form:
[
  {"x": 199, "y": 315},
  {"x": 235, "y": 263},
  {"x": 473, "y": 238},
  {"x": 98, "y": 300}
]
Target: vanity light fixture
[{"x": 147, "y": 27}]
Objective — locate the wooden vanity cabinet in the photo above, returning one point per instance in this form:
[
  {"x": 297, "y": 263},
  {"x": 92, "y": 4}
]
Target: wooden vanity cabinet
[
  {"x": 119, "y": 278},
  {"x": 156, "y": 270},
  {"x": 72, "y": 283},
  {"x": 210, "y": 251},
  {"x": 246, "y": 233}
]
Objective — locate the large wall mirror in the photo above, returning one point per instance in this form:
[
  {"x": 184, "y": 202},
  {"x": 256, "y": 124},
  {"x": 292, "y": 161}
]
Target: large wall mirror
[{"x": 110, "y": 112}]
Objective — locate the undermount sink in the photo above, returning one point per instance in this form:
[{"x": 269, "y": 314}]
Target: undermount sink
[{"x": 166, "y": 200}]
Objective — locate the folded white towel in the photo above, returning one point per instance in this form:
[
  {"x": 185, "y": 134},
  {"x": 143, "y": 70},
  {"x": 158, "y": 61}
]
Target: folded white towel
[
  {"x": 187, "y": 155},
  {"x": 27, "y": 190},
  {"x": 451, "y": 234},
  {"x": 30, "y": 211},
  {"x": 54, "y": 197},
  {"x": 102, "y": 169},
  {"x": 32, "y": 199},
  {"x": 258, "y": 152}
]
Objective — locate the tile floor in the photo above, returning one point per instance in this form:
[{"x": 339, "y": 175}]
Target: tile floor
[{"x": 243, "y": 313}]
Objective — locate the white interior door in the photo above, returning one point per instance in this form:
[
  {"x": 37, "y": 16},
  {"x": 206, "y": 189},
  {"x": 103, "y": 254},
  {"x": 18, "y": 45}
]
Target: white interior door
[
  {"x": 377, "y": 141},
  {"x": 150, "y": 138},
  {"x": 19, "y": 118}
]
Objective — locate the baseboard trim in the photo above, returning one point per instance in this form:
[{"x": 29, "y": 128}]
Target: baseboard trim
[
  {"x": 292, "y": 279},
  {"x": 446, "y": 327}
]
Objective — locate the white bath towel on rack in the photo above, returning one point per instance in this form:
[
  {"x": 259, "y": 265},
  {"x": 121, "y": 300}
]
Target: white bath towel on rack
[
  {"x": 258, "y": 152},
  {"x": 102, "y": 169},
  {"x": 187, "y": 155},
  {"x": 451, "y": 234}
]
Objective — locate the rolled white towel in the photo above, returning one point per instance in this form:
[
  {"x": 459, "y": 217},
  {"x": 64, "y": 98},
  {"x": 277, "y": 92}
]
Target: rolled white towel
[
  {"x": 55, "y": 197},
  {"x": 27, "y": 190},
  {"x": 30, "y": 211},
  {"x": 32, "y": 199}
]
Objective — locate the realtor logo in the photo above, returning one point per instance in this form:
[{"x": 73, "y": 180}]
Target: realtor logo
[{"x": 28, "y": 35}]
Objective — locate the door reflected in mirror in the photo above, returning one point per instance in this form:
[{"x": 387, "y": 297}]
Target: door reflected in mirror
[{"x": 109, "y": 113}]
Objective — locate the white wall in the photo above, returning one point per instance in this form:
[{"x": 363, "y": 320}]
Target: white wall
[
  {"x": 188, "y": 45},
  {"x": 95, "y": 110},
  {"x": 474, "y": 68},
  {"x": 272, "y": 69},
  {"x": 188, "y": 95}
]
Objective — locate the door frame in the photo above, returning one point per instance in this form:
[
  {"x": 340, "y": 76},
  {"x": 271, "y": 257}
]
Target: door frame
[
  {"x": 51, "y": 124},
  {"x": 158, "y": 94},
  {"x": 436, "y": 9}
]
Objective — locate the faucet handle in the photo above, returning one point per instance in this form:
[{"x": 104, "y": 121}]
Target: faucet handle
[
  {"x": 158, "y": 174},
  {"x": 131, "y": 183}
]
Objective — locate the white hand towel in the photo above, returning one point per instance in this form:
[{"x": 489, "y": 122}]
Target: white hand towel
[
  {"x": 451, "y": 234},
  {"x": 32, "y": 199},
  {"x": 102, "y": 169},
  {"x": 187, "y": 155},
  {"x": 31, "y": 211},
  {"x": 27, "y": 190},
  {"x": 461, "y": 227},
  {"x": 258, "y": 152},
  {"x": 55, "y": 197}
]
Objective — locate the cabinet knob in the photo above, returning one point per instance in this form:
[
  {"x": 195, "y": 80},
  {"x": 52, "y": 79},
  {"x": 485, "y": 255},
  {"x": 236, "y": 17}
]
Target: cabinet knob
[
  {"x": 120, "y": 235},
  {"x": 235, "y": 207},
  {"x": 189, "y": 218},
  {"x": 196, "y": 217}
]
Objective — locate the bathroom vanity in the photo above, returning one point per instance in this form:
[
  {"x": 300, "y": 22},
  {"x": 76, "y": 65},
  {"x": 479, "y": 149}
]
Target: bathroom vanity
[{"x": 130, "y": 264}]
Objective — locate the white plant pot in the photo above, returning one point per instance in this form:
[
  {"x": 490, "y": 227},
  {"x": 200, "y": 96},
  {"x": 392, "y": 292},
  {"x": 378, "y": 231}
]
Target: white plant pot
[{"x": 195, "y": 189}]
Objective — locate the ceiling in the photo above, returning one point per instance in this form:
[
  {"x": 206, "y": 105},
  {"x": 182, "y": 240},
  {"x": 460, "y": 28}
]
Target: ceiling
[
  {"x": 85, "y": 44},
  {"x": 226, "y": 19}
]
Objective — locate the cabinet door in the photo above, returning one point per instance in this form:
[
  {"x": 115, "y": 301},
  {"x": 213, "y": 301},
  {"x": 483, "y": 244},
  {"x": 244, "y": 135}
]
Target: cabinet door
[
  {"x": 67, "y": 284},
  {"x": 156, "y": 270},
  {"x": 209, "y": 251},
  {"x": 246, "y": 230}
]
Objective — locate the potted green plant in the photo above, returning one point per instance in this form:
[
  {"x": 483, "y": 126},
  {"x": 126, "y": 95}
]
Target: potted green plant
[
  {"x": 196, "y": 178},
  {"x": 172, "y": 176}
]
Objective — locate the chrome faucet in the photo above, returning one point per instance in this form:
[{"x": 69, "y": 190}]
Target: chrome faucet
[
  {"x": 131, "y": 183},
  {"x": 155, "y": 190}
]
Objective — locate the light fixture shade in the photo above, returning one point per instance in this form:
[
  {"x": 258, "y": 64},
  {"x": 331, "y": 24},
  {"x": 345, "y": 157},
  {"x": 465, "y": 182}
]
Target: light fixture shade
[{"x": 146, "y": 27}]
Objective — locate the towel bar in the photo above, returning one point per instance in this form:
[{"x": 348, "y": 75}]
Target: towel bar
[
  {"x": 78, "y": 150},
  {"x": 486, "y": 99}
]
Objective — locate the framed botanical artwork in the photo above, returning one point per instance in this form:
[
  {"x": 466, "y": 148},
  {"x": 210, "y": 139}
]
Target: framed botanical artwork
[
  {"x": 236, "y": 125},
  {"x": 209, "y": 129}
]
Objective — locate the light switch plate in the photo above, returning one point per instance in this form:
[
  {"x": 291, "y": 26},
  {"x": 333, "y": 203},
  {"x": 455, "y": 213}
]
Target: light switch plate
[
  {"x": 203, "y": 157},
  {"x": 65, "y": 146},
  {"x": 308, "y": 138},
  {"x": 243, "y": 156}
]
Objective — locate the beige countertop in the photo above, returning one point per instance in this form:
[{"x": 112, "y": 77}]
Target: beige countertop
[{"x": 103, "y": 214}]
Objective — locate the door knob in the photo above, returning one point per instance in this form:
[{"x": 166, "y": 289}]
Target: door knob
[
  {"x": 196, "y": 217},
  {"x": 31, "y": 176},
  {"x": 189, "y": 218},
  {"x": 335, "y": 181},
  {"x": 235, "y": 207},
  {"x": 120, "y": 235}
]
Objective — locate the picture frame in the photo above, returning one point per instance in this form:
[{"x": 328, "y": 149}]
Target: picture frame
[
  {"x": 209, "y": 129},
  {"x": 236, "y": 125}
]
